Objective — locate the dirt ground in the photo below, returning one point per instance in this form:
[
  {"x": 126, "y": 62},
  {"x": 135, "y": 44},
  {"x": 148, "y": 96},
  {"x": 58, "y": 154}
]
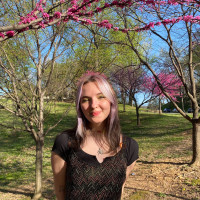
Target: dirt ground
[{"x": 163, "y": 180}]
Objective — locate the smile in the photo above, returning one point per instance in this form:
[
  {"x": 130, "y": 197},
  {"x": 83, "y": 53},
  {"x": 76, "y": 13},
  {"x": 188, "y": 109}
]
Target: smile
[{"x": 96, "y": 113}]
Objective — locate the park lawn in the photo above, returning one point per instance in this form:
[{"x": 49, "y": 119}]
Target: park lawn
[{"x": 17, "y": 158}]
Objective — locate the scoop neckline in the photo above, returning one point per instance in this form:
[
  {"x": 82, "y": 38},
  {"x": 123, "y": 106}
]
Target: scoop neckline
[{"x": 94, "y": 158}]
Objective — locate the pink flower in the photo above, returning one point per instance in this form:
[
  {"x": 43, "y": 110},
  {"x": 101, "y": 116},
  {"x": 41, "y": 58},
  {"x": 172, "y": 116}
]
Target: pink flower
[
  {"x": 99, "y": 9},
  {"x": 108, "y": 26},
  {"x": 66, "y": 19},
  {"x": 57, "y": 15},
  {"x": 46, "y": 15},
  {"x": 158, "y": 23},
  {"x": 88, "y": 21},
  {"x": 107, "y": 5},
  {"x": 2, "y": 35},
  {"x": 125, "y": 30},
  {"x": 10, "y": 33},
  {"x": 115, "y": 28}
]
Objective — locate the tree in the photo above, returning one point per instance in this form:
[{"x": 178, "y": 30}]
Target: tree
[
  {"x": 131, "y": 80},
  {"x": 188, "y": 16},
  {"x": 26, "y": 82},
  {"x": 170, "y": 82}
]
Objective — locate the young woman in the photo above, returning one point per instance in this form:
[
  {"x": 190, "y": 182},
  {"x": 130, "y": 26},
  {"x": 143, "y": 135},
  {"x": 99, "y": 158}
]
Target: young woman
[{"x": 93, "y": 160}]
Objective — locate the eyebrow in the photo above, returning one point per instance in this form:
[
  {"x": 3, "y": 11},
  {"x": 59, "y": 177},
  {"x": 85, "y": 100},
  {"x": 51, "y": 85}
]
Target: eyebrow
[{"x": 96, "y": 95}]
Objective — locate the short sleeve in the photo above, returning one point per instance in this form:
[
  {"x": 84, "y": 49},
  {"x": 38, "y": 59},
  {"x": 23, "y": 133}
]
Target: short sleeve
[
  {"x": 60, "y": 146},
  {"x": 132, "y": 150}
]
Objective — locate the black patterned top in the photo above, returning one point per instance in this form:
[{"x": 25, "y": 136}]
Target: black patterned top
[{"x": 87, "y": 179}]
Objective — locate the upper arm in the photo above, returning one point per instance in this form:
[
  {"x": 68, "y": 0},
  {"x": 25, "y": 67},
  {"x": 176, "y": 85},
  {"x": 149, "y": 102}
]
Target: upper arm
[
  {"x": 129, "y": 169},
  {"x": 59, "y": 167},
  {"x": 58, "y": 164}
]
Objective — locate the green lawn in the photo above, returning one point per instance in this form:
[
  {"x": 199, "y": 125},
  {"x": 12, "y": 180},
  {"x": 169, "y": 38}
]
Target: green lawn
[{"x": 17, "y": 157}]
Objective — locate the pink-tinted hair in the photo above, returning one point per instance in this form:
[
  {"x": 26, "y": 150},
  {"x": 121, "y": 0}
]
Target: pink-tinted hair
[{"x": 112, "y": 129}]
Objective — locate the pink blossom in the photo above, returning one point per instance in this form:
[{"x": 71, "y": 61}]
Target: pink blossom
[
  {"x": 46, "y": 15},
  {"x": 108, "y": 26},
  {"x": 115, "y": 2},
  {"x": 57, "y": 15},
  {"x": 99, "y": 9},
  {"x": 90, "y": 13},
  {"x": 88, "y": 21},
  {"x": 151, "y": 25},
  {"x": 106, "y": 5},
  {"x": 66, "y": 19},
  {"x": 188, "y": 18},
  {"x": 40, "y": 9},
  {"x": 2, "y": 35},
  {"x": 158, "y": 24},
  {"x": 125, "y": 30},
  {"x": 22, "y": 30},
  {"x": 10, "y": 33},
  {"x": 73, "y": 2},
  {"x": 41, "y": 24},
  {"x": 76, "y": 18},
  {"x": 62, "y": 1},
  {"x": 115, "y": 28}
]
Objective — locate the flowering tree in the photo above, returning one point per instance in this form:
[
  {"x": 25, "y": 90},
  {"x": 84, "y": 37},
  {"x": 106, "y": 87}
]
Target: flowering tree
[
  {"x": 175, "y": 36},
  {"x": 131, "y": 80},
  {"x": 170, "y": 82},
  {"x": 47, "y": 14}
]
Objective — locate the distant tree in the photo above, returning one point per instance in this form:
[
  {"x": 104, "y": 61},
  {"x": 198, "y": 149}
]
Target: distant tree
[
  {"x": 131, "y": 80},
  {"x": 170, "y": 82}
]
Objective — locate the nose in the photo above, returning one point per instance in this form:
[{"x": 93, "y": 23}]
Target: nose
[{"x": 94, "y": 103}]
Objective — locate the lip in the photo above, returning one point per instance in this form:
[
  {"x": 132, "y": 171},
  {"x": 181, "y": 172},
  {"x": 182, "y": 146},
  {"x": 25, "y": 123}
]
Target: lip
[{"x": 96, "y": 113}]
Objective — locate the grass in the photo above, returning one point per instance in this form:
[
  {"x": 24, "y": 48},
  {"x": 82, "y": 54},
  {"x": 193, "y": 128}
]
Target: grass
[{"x": 17, "y": 158}]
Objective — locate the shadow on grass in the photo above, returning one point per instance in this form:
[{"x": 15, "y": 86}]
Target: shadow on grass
[
  {"x": 161, "y": 162},
  {"x": 156, "y": 193},
  {"x": 27, "y": 194}
]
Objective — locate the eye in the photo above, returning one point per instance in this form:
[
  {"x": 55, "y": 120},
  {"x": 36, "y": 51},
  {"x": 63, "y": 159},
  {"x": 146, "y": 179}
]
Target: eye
[
  {"x": 84, "y": 100},
  {"x": 101, "y": 97}
]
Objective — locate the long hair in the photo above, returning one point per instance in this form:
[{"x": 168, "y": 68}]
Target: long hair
[{"x": 112, "y": 128}]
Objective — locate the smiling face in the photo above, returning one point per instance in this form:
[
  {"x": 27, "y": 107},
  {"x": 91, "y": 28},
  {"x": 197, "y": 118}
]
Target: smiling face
[{"x": 94, "y": 105}]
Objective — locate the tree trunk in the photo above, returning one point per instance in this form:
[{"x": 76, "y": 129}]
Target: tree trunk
[
  {"x": 130, "y": 99},
  {"x": 124, "y": 105},
  {"x": 160, "y": 110},
  {"x": 38, "y": 169},
  {"x": 196, "y": 144},
  {"x": 138, "y": 116},
  {"x": 123, "y": 96},
  {"x": 182, "y": 103}
]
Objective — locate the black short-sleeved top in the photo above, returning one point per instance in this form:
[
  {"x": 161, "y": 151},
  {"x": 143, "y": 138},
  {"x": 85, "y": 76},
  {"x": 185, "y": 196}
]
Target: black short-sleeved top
[{"x": 87, "y": 179}]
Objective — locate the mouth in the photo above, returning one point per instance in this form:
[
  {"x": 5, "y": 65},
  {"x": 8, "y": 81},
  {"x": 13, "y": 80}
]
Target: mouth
[{"x": 96, "y": 113}]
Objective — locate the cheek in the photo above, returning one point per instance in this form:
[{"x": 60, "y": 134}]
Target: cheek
[
  {"x": 106, "y": 105},
  {"x": 84, "y": 107}
]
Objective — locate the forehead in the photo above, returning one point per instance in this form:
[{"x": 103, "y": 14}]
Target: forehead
[{"x": 90, "y": 89}]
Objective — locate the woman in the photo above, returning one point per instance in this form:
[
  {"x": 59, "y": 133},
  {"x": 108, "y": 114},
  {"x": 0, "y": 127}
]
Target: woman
[{"x": 92, "y": 161}]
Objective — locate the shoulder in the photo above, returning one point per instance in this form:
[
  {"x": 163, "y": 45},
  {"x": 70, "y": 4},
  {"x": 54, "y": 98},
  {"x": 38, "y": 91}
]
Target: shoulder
[
  {"x": 132, "y": 149},
  {"x": 62, "y": 144},
  {"x": 130, "y": 142},
  {"x": 62, "y": 138}
]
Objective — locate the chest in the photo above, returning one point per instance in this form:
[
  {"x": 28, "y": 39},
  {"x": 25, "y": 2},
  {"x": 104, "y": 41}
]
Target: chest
[{"x": 84, "y": 170}]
